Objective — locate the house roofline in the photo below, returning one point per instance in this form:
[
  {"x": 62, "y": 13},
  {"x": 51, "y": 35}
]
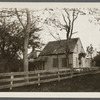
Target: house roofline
[{"x": 56, "y": 54}]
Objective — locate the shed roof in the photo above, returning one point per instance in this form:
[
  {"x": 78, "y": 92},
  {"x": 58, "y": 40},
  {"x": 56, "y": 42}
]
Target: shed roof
[{"x": 58, "y": 47}]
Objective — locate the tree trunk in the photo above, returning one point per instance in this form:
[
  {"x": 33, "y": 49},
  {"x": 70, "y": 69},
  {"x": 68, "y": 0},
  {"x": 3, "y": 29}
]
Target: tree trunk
[
  {"x": 26, "y": 40},
  {"x": 67, "y": 52},
  {"x": 25, "y": 58},
  {"x": 67, "y": 55}
]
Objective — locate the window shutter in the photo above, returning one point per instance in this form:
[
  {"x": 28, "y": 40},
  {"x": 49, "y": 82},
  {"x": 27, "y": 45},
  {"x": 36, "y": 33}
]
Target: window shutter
[
  {"x": 64, "y": 62},
  {"x": 55, "y": 62}
]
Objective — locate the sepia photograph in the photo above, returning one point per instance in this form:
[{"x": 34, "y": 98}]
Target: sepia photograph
[{"x": 49, "y": 47}]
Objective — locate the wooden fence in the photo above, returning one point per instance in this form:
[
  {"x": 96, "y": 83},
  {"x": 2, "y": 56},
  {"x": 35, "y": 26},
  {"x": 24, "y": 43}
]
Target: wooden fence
[{"x": 16, "y": 79}]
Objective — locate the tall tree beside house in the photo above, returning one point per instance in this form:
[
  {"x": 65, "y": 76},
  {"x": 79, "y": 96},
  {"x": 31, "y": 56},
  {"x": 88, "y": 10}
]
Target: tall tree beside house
[
  {"x": 28, "y": 29},
  {"x": 90, "y": 50},
  {"x": 26, "y": 38},
  {"x": 69, "y": 25}
]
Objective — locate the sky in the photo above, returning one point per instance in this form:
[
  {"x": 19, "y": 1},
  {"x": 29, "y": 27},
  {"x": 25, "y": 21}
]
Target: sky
[{"x": 89, "y": 33}]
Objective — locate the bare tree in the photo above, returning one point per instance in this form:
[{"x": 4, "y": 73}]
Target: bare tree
[
  {"x": 69, "y": 17},
  {"x": 69, "y": 25}
]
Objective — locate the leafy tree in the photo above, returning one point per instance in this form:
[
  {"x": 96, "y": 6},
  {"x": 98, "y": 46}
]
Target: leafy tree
[
  {"x": 90, "y": 50},
  {"x": 9, "y": 42},
  {"x": 94, "y": 14},
  {"x": 12, "y": 35},
  {"x": 97, "y": 59}
]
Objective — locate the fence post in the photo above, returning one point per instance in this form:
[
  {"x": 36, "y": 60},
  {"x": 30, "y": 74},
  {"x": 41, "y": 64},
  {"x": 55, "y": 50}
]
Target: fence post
[
  {"x": 26, "y": 76},
  {"x": 11, "y": 82},
  {"x": 38, "y": 79},
  {"x": 71, "y": 72},
  {"x": 58, "y": 75}
]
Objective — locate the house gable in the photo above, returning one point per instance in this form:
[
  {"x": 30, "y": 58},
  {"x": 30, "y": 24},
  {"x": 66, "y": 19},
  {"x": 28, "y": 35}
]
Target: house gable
[{"x": 79, "y": 47}]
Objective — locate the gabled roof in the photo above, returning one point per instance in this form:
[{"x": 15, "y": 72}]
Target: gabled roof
[{"x": 58, "y": 47}]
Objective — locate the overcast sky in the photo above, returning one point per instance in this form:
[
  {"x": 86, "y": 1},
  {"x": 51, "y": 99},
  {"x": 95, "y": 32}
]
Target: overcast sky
[{"x": 89, "y": 33}]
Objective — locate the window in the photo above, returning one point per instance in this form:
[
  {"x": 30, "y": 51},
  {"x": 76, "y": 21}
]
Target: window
[
  {"x": 55, "y": 62},
  {"x": 64, "y": 62}
]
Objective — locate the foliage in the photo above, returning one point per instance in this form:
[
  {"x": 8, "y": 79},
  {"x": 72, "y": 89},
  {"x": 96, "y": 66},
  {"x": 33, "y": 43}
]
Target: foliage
[
  {"x": 35, "y": 27},
  {"x": 97, "y": 60},
  {"x": 12, "y": 34},
  {"x": 81, "y": 55},
  {"x": 94, "y": 14},
  {"x": 15, "y": 65},
  {"x": 90, "y": 50},
  {"x": 10, "y": 43}
]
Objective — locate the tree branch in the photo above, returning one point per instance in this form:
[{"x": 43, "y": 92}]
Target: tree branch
[
  {"x": 75, "y": 16},
  {"x": 68, "y": 16},
  {"x": 65, "y": 19},
  {"x": 19, "y": 18},
  {"x": 73, "y": 20},
  {"x": 52, "y": 34}
]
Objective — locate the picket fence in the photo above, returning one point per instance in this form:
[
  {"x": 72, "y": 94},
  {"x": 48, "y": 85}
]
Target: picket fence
[{"x": 16, "y": 79}]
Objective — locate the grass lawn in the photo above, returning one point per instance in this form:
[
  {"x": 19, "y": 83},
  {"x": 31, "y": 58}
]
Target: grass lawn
[{"x": 87, "y": 83}]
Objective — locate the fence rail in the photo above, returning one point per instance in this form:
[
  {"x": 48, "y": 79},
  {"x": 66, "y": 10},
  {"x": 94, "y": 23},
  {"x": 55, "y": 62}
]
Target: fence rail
[{"x": 16, "y": 79}]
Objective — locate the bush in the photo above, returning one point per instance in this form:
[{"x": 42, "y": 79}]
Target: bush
[
  {"x": 15, "y": 65},
  {"x": 97, "y": 60}
]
